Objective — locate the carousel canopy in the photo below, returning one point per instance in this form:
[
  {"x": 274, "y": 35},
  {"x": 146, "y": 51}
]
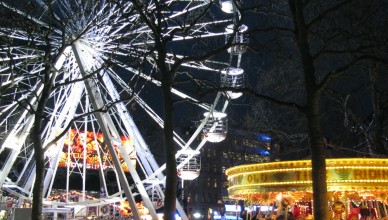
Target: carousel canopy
[{"x": 355, "y": 177}]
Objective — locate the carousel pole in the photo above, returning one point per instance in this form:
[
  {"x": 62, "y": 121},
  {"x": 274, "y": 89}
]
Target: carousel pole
[
  {"x": 236, "y": 209},
  {"x": 378, "y": 213},
  {"x": 346, "y": 205},
  {"x": 183, "y": 191}
]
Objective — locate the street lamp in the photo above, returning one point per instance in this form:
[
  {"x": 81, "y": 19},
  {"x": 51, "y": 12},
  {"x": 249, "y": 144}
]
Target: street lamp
[{"x": 197, "y": 215}]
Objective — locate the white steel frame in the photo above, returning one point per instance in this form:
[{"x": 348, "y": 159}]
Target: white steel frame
[{"x": 86, "y": 99}]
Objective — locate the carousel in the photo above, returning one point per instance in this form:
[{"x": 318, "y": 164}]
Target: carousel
[{"x": 357, "y": 188}]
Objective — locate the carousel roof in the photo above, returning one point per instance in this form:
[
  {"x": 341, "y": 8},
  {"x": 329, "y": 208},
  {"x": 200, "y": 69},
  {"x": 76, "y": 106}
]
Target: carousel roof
[{"x": 352, "y": 177}]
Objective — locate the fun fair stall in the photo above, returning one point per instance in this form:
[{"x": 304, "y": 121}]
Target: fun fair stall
[{"x": 357, "y": 187}]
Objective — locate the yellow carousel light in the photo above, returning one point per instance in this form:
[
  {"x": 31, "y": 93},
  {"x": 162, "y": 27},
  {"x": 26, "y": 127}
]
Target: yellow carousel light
[{"x": 348, "y": 174}]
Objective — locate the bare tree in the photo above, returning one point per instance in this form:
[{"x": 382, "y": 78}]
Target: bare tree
[
  {"x": 171, "y": 74},
  {"x": 35, "y": 41},
  {"x": 322, "y": 38},
  {"x": 39, "y": 40}
]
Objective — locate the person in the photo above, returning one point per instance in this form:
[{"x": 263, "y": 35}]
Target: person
[
  {"x": 283, "y": 217},
  {"x": 309, "y": 217},
  {"x": 254, "y": 217},
  {"x": 296, "y": 211},
  {"x": 245, "y": 215}
]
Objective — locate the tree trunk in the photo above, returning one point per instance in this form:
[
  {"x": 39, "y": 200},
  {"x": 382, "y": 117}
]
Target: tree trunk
[
  {"x": 37, "y": 201},
  {"x": 169, "y": 147},
  {"x": 313, "y": 94},
  {"x": 171, "y": 173},
  {"x": 318, "y": 159},
  {"x": 378, "y": 115}
]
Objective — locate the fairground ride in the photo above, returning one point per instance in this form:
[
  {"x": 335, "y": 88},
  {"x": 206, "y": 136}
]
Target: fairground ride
[{"x": 101, "y": 58}]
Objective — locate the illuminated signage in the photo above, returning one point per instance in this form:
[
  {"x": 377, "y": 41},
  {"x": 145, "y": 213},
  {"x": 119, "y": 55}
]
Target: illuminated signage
[
  {"x": 80, "y": 146},
  {"x": 347, "y": 174}
]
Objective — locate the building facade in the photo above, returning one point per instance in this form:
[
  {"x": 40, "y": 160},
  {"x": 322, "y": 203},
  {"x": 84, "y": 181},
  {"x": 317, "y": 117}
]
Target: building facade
[{"x": 200, "y": 196}]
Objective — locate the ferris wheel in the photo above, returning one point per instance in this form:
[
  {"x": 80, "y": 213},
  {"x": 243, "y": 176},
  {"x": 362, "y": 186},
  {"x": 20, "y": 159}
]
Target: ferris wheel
[{"x": 101, "y": 58}]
